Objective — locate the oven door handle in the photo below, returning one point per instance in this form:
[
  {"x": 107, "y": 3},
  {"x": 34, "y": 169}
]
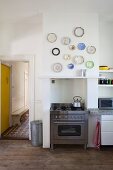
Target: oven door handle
[{"x": 69, "y": 122}]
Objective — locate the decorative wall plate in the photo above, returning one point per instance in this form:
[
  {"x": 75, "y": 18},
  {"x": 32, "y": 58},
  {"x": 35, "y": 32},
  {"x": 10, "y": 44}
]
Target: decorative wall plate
[
  {"x": 89, "y": 64},
  {"x": 70, "y": 66},
  {"x": 55, "y": 51},
  {"x": 78, "y": 59},
  {"x": 78, "y": 31},
  {"x": 57, "y": 67},
  {"x": 67, "y": 57},
  {"x": 91, "y": 49},
  {"x": 66, "y": 40},
  {"x": 72, "y": 47},
  {"x": 81, "y": 46},
  {"x": 51, "y": 37}
]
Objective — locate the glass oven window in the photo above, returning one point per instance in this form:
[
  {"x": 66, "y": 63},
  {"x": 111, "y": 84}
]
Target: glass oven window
[
  {"x": 106, "y": 103},
  {"x": 69, "y": 130}
]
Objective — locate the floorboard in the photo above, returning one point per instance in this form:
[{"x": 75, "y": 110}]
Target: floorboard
[{"x": 21, "y": 155}]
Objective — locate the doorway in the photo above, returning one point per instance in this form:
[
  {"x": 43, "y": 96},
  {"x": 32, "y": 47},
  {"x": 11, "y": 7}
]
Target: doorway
[
  {"x": 19, "y": 116},
  {"x": 30, "y": 94}
]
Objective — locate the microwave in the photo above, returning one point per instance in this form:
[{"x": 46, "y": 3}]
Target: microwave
[{"x": 105, "y": 103}]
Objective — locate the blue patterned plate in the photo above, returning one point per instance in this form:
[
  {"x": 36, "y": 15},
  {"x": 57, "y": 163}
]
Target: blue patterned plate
[
  {"x": 70, "y": 66},
  {"x": 81, "y": 46}
]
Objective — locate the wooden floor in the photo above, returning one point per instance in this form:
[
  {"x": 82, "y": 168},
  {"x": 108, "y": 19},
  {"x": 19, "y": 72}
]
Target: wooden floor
[{"x": 20, "y": 155}]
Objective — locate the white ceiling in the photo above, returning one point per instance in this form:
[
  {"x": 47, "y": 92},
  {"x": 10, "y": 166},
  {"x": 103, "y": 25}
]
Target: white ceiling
[{"x": 16, "y": 9}]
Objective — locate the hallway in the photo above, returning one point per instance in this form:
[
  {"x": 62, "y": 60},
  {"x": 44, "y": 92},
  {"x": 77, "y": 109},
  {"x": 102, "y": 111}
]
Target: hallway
[{"x": 18, "y": 131}]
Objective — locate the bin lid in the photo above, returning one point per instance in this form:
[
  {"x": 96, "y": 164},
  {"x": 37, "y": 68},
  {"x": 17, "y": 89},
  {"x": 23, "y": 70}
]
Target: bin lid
[{"x": 36, "y": 122}]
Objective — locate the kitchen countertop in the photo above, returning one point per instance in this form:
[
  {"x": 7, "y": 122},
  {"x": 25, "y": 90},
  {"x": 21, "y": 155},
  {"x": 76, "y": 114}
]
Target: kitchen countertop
[{"x": 96, "y": 111}]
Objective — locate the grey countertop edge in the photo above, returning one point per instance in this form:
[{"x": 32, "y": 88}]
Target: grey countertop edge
[{"x": 96, "y": 111}]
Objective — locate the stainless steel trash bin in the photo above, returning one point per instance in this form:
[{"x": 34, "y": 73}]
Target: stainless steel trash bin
[{"x": 36, "y": 132}]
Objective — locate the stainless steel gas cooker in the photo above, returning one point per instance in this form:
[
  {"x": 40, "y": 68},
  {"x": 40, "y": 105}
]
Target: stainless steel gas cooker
[{"x": 68, "y": 125}]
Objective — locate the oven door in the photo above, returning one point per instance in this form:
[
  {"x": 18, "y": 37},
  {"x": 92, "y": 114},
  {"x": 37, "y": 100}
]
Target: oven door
[{"x": 69, "y": 130}]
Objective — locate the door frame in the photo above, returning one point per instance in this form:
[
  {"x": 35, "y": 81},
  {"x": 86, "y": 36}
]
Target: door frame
[
  {"x": 25, "y": 75},
  {"x": 31, "y": 90}
]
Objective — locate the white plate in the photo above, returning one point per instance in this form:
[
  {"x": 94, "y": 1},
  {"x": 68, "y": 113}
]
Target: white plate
[
  {"x": 78, "y": 31},
  {"x": 78, "y": 59},
  {"x": 89, "y": 64},
  {"x": 72, "y": 47},
  {"x": 57, "y": 67},
  {"x": 66, "y": 40},
  {"x": 51, "y": 37},
  {"x": 67, "y": 57},
  {"x": 91, "y": 49}
]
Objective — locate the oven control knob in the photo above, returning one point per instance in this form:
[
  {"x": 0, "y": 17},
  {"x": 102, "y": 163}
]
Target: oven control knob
[
  {"x": 73, "y": 117},
  {"x": 65, "y": 117},
  {"x": 56, "y": 116},
  {"x": 78, "y": 117}
]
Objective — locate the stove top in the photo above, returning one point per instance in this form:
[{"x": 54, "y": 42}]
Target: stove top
[{"x": 64, "y": 107}]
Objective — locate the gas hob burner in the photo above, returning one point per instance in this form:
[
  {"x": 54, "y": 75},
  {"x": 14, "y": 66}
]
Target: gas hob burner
[
  {"x": 64, "y": 107},
  {"x": 61, "y": 107}
]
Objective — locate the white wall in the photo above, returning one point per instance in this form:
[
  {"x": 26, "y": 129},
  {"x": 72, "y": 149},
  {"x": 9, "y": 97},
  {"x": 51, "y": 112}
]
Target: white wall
[
  {"x": 63, "y": 90},
  {"x": 24, "y": 37},
  {"x": 5, "y": 38},
  {"x": 106, "y": 52},
  {"x": 106, "y": 42},
  {"x": 63, "y": 24}
]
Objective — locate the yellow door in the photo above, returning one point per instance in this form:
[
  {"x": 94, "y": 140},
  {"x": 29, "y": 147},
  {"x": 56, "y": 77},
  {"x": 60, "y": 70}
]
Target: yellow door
[{"x": 5, "y": 97}]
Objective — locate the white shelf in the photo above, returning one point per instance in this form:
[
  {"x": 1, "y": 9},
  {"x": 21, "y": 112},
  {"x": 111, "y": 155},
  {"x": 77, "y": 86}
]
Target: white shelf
[
  {"x": 105, "y": 85},
  {"x": 66, "y": 77},
  {"x": 106, "y": 71}
]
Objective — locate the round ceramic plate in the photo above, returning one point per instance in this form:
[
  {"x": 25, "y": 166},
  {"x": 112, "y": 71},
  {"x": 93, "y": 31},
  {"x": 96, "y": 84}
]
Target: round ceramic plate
[
  {"x": 70, "y": 66},
  {"x": 78, "y": 31},
  {"x": 81, "y": 46},
  {"x": 89, "y": 64},
  {"x": 79, "y": 59},
  {"x": 67, "y": 57},
  {"x": 55, "y": 51},
  {"x": 51, "y": 37},
  {"x": 91, "y": 49},
  {"x": 66, "y": 40},
  {"x": 57, "y": 67},
  {"x": 72, "y": 47}
]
